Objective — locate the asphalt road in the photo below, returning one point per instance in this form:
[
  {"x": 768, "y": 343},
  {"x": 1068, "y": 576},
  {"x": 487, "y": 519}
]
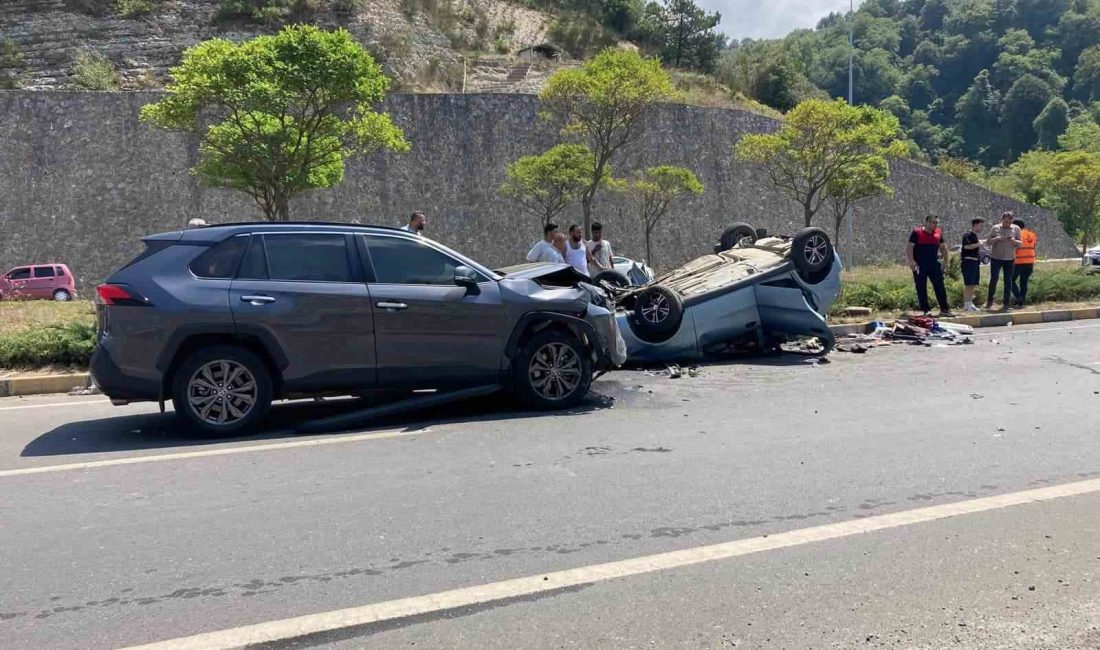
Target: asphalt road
[{"x": 874, "y": 501}]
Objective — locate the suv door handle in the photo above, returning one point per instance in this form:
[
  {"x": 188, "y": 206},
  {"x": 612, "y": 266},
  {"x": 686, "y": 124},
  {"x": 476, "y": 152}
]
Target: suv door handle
[
  {"x": 394, "y": 306},
  {"x": 258, "y": 300}
]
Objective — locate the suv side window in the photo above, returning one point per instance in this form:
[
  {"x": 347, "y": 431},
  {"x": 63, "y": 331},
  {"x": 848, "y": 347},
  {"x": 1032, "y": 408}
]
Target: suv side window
[
  {"x": 43, "y": 271},
  {"x": 221, "y": 260},
  {"x": 401, "y": 261},
  {"x": 308, "y": 257},
  {"x": 20, "y": 274}
]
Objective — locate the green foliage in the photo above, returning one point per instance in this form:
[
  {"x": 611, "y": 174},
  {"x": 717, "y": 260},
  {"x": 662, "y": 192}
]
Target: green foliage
[
  {"x": 1086, "y": 80},
  {"x": 1070, "y": 184},
  {"x": 11, "y": 65},
  {"x": 1083, "y": 134},
  {"x": 682, "y": 33},
  {"x": 135, "y": 8},
  {"x": 267, "y": 11},
  {"x": 94, "y": 71},
  {"x": 1052, "y": 123},
  {"x": 826, "y": 149},
  {"x": 580, "y": 34},
  {"x": 1024, "y": 102},
  {"x": 547, "y": 183},
  {"x": 67, "y": 344},
  {"x": 605, "y": 103},
  {"x": 653, "y": 190},
  {"x": 291, "y": 107},
  {"x": 891, "y": 290}
]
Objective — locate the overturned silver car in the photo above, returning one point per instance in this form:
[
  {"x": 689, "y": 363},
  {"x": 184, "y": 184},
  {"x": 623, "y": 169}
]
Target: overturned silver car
[{"x": 758, "y": 292}]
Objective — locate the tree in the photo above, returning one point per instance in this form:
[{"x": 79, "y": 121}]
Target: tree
[
  {"x": 1024, "y": 102},
  {"x": 1052, "y": 123},
  {"x": 1083, "y": 134},
  {"x": 853, "y": 183},
  {"x": 820, "y": 143},
  {"x": 978, "y": 116},
  {"x": 606, "y": 103},
  {"x": 546, "y": 184},
  {"x": 1086, "y": 80},
  {"x": 1072, "y": 190},
  {"x": 290, "y": 107},
  {"x": 684, "y": 34},
  {"x": 651, "y": 192}
]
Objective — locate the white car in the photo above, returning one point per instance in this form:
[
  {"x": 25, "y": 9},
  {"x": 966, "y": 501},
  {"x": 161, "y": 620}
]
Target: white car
[
  {"x": 626, "y": 273},
  {"x": 1091, "y": 260}
]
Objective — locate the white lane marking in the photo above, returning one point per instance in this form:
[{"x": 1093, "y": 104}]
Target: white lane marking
[
  {"x": 447, "y": 600},
  {"x": 42, "y": 406},
  {"x": 204, "y": 453},
  {"x": 1001, "y": 331}
]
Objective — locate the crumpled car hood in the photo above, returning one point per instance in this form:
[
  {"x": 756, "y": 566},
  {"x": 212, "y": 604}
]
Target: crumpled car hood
[{"x": 558, "y": 274}]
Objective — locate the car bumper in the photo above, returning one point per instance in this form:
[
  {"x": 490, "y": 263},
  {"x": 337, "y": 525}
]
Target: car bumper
[
  {"x": 116, "y": 384},
  {"x": 610, "y": 346}
]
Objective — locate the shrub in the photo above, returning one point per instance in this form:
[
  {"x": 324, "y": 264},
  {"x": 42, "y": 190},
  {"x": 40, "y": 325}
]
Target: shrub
[
  {"x": 11, "y": 65},
  {"x": 134, "y": 8},
  {"x": 267, "y": 11},
  {"x": 94, "y": 72},
  {"x": 347, "y": 6},
  {"x": 580, "y": 35},
  {"x": 69, "y": 344}
]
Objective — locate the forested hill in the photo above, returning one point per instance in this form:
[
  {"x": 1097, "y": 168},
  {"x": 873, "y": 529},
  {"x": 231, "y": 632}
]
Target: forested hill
[{"x": 985, "y": 80}]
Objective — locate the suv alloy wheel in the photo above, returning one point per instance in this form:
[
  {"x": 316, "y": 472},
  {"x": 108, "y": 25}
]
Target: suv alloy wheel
[
  {"x": 222, "y": 390},
  {"x": 552, "y": 370}
]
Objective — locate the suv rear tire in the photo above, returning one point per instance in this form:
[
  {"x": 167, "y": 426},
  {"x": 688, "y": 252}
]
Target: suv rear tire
[
  {"x": 553, "y": 370},
  {"x": 222, "y": 390}
]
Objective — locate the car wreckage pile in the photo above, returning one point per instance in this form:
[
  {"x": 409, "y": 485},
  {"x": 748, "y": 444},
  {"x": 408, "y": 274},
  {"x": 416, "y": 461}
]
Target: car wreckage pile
[{"x": 912, "y": 330}]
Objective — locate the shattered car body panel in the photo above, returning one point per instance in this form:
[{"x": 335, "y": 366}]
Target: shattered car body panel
[
  {"x": 751, "y": 294},
  {"x": 540, "y": 288}
]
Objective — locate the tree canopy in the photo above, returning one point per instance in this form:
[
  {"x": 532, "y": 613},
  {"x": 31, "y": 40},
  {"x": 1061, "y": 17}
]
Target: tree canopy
[
  {"x": 545, "y": 184},
  {"x": 652, "y": 191},
  {"x": 826, "y": 148},
  {"x": 287, "y": 109},
  {"x": 605, "y": 104}
]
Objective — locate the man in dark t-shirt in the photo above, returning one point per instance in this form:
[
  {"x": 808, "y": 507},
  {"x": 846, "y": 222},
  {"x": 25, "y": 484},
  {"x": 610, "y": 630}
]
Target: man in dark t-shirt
[
  {"x": 923, "y": 252},
  {"x": 970, "y": 254}
]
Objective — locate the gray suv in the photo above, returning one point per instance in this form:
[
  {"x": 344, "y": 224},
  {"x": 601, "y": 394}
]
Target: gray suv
[{"x": 224, "y": 319}]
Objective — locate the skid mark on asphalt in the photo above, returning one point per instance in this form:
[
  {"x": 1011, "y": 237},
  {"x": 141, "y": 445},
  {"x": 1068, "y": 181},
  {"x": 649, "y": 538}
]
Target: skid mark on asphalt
[
  {"x": 319, "y": 628},
  {"x": 1073, "y": 364}
]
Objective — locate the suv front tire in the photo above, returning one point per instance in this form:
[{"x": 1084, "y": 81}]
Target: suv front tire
[
  {"x": 553, "y": 370},
  {"x": 222, "y": 390}
]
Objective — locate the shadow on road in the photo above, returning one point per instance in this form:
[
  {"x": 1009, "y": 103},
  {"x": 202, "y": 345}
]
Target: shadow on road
[{"x": 159, "y": 431}]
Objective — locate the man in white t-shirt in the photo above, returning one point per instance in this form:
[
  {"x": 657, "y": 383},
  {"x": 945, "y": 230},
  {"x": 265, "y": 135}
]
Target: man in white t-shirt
[
  {"x": 576, "y": 250},
  {"x": 544, "y": 250},
  {"x": 599, "y": 252},
  {"x": 417, "y": 223}
]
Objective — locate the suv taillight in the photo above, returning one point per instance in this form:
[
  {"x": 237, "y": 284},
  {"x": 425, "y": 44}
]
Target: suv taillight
[{"x": 122, "y": 295}]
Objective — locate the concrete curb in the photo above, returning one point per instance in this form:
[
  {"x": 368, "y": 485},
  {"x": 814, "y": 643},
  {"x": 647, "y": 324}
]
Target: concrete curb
[
  {"x": 996, "y": 320},
  {"x": 43, "y": 384}
]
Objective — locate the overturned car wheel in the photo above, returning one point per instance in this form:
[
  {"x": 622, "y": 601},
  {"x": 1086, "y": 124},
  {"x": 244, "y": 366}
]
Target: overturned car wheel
[
  {"x": 612, "y": 277},
  {"x": 553, "y": 370},
  {"x": 736, "y": 235},
  {"x": 658, "y": 312},
  {"x": 812, "y": 252}
]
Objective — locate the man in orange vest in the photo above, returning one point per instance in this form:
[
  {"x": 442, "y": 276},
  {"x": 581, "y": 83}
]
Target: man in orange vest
[{"x": 1025, "y": 262}]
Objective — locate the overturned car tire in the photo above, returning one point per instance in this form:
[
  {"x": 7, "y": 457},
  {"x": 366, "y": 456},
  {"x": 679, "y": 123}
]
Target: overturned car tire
[
  {"x": 735, "y": 235},
  {"x": 812, "y": 252},
  {"x": 612, "y": 277},
  {"x": 658, "y": 312}
]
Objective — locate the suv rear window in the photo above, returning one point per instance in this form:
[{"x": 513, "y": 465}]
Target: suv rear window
[
  {"x": 221, "y": 260},
  {"x": 43, "y": 271},
  {"x": 308, "y": 257}
]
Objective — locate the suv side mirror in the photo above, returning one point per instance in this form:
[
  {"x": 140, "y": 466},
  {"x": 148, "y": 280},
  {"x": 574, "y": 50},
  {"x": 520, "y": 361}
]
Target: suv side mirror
[{"x": 465, "y": 276}]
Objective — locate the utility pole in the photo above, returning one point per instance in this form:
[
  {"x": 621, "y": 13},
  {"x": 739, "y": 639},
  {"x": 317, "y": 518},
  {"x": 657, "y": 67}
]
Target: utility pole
[{"x": 851, "y": 102}]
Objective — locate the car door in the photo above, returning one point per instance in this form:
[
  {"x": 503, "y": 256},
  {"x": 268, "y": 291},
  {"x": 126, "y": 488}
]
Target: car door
[
  {"x": 305, "y": 292},
  {"x": 41, "y": 282},
  {"x": 18, "y": 282},
  {"x": 429, "y": 331}
]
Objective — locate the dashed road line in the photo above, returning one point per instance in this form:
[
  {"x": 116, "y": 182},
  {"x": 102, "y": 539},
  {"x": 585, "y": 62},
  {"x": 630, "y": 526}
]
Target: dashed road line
[{"x": 341, "y": 619}]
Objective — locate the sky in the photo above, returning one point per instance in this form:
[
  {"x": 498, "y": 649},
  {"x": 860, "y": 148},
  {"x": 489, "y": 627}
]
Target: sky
[{"x": 769, "y": 18}]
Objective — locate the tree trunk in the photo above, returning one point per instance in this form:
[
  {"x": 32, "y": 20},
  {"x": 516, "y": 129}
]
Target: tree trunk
[
  {"x": 586, "y": 208},
  {"x": 808, "y": 212},
  {"x": 282, "y": 207},
  {"x": 648, "y": 252},
  {"x": 838, "y": 221}
]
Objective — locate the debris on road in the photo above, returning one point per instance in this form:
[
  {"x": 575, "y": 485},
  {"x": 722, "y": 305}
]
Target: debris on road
[
  {"x": 674, "y": 372},
  {"x": 914, "y": 330}
]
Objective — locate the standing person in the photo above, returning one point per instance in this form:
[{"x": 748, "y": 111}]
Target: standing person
[
  {"x": 970, "y": 254},
  {"x": 417, "y": 223},
  {"x": 599, "y": 252},
  {"x": 925, "y": 247},
  {"x": 544, "y": 250},
  {"x": 576, "y": 251},
  {"x": 1003, "y": 240},
  {"x": 1025, "y": 262},
  {"x": 559, "y": 244}
]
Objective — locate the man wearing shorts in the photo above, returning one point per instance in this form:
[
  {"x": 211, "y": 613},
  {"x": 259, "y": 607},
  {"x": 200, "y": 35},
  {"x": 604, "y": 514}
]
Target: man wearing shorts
[{"x": 970, "y": 256}]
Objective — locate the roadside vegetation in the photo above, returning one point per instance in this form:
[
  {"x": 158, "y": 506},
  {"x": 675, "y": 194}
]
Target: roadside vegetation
[
  {"x": 889, "y": 288},
  {"x": 41, "y": 333}
]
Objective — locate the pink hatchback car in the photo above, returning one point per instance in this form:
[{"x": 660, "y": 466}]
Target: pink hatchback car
[{"x": 38, "y": 282}]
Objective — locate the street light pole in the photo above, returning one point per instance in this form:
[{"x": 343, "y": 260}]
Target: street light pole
[{"x": 851, "y": 102}]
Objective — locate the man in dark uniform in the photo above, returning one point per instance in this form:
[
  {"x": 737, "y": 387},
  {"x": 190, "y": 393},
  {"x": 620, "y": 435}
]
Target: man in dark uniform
[{"x": 925, "y": 247}]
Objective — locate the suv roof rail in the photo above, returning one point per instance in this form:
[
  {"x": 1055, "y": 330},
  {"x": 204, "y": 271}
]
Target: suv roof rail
[{"x": 268, "y": 224}]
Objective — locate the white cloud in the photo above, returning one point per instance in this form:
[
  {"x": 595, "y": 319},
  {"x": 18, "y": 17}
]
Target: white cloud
[{"x": 770, "y": 18}]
